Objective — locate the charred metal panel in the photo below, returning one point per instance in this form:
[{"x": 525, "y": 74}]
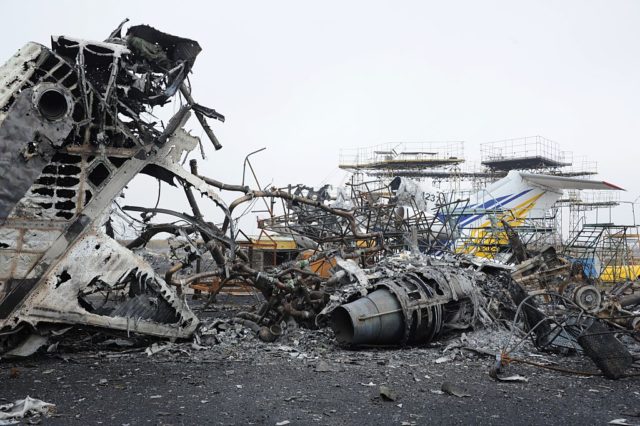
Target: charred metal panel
[
  {"x": 35, "y": 119},
  {"x": 111, "y": 288}
]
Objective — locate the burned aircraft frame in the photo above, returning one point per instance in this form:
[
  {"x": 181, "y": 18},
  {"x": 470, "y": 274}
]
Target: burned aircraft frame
[
  {"x": 74, "y": 130},
  {"x": 72, "y": 135}
]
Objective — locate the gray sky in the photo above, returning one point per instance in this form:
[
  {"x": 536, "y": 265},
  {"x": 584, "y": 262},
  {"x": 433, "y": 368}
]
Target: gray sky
[{"x": 305, "y": 79}]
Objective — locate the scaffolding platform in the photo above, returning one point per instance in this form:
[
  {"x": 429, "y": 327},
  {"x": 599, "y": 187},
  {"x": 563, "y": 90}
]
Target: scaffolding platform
[
  {"x": 396, "y": 158},
  {"x": 592, "y": 199},
  {"x": 527, "y": 153},
  {"x": 579, "y": 166}
]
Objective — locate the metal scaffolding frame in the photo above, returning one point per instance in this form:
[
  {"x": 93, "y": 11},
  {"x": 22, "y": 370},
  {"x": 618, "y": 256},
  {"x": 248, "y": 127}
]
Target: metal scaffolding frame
[{"x": 534, "y": 152}]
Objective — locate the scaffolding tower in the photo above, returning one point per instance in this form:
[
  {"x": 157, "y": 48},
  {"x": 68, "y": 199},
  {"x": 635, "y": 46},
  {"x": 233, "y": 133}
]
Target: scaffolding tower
[
  {"x": 529, "y": 153},
  {"x": 402, "y": 158},
  {"x": 444, "y": 162}
]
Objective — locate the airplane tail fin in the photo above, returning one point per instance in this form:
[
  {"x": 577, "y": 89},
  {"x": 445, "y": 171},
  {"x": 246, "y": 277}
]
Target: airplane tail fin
[
  {"x": 512, "y": 200},
  {"x": 523, "y": 195}
]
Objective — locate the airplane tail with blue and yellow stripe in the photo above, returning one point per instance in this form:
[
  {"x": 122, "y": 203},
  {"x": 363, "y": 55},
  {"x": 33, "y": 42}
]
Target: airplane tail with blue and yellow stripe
[{"x": 513, "y": 199}]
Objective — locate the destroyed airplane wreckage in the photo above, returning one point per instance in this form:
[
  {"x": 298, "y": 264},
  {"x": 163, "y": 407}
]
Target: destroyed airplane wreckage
[
  {"x": 72, "y": 138},
  {"x": 382, "y": 265},
  {"x": 73, "y": 135}
]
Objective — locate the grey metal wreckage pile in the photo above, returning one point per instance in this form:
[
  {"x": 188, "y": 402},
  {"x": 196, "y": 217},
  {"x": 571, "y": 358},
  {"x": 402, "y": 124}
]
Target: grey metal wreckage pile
[{"x": 75, "y": 129}]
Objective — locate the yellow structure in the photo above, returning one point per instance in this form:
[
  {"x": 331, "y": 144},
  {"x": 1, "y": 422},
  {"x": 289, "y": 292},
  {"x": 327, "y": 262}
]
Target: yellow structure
[
  {"x": 612, "y": 274},
  {"x": 273, "y": 242},
  {"x": 322, "y": 266}
]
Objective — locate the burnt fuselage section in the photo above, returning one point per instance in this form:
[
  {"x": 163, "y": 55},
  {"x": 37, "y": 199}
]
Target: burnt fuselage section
[{"x": 71, "y": 137}]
